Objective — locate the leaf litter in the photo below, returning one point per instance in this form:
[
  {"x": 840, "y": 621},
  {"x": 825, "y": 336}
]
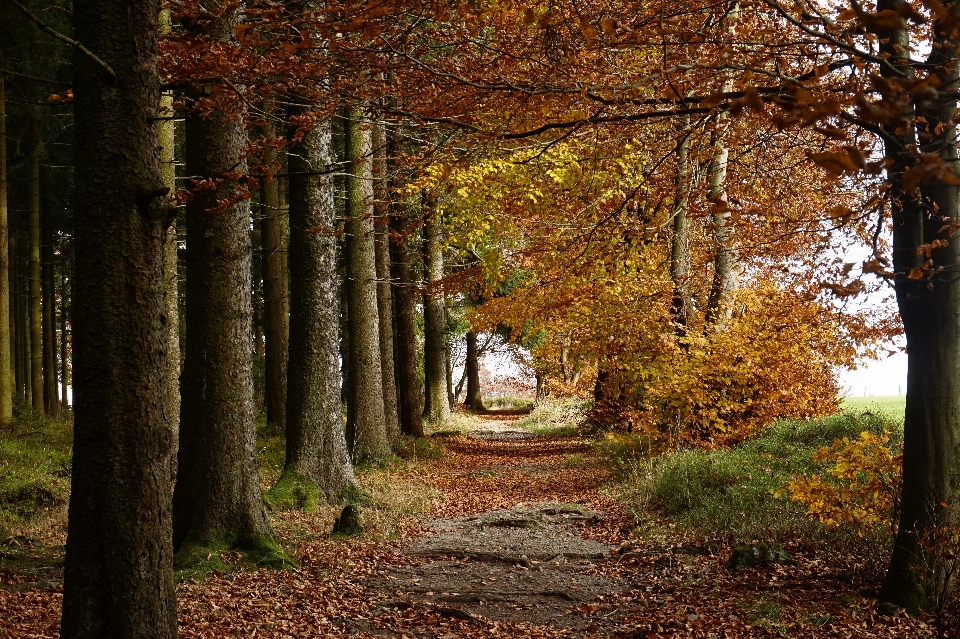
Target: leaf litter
[{"x": 516, "y": 541}]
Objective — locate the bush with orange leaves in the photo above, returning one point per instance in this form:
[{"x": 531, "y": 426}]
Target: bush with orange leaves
[
  {"x": 771, "y": 357},
  {"x": 860, "y": 490}
]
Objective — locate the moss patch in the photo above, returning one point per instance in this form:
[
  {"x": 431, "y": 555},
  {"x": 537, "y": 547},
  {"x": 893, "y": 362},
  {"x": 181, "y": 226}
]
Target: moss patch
[
  {"x": 196, "y": 560},
  {"x": 293, "y": 491}
]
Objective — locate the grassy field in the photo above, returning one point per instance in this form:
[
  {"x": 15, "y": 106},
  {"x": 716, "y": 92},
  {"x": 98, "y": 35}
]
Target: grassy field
[{"x": 892, "y": 406}]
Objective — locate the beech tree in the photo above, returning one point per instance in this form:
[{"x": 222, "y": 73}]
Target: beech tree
[{"x": 118, "y": 574}]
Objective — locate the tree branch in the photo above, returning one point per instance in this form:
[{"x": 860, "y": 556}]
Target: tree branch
[{"x": 59, "y": 36}]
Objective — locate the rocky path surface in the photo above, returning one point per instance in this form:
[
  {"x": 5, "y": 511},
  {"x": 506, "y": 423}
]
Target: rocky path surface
[{"x": 530, "y": 558}]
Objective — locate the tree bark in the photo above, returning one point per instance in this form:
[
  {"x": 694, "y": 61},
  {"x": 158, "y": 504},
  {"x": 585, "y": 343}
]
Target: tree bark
[
  {"x": 6, "y": 319},
  {"x": 317, "y": 460},
  {"x": 118, "y": 573},
  {"x": 171, "y": 272},
  {"x": 404, "y": 299},
  {"x": 384, "y": 293},
  {"x": 369, "y": 443},
  {"x": 474, "y": 399},
  {"x": 436, "y": 405},
  {"x": 217, "y": 501},
  {"x": 928, "y": 298},
  {"x": 36, "y": 335},
  {"x": 64, "y": 350},
  {"x": 51, "y": 398},
  {"x": 726, "y": 268},
  {"x": 276, "y": 310},
  {"x": 15, "y": 328}
]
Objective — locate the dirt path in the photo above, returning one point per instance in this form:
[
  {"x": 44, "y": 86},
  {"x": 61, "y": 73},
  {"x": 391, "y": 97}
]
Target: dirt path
[{"x": 520, "y": 539}]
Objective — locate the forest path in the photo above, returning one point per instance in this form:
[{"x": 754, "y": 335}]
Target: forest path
[{"x": 521, "y": 537}]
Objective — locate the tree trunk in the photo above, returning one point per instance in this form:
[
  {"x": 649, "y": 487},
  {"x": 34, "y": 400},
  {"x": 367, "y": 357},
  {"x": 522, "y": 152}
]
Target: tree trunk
[
  {"x": 436, "y": 405},
  {"x": 684, "y": 313},
  {"x": 15, "y": 328},
  {"x": 118, "y": 572},
  {"x": 6, "y": 320},
  {"x": 36, "y": 335},
  {"x": 474, "y": 400},
  {"x": 448, "y": 366},
  {"x": 276, "y": 311},
  {"x": 404, "y": 299},
  {"x": 928, "y": 298},
  {"x": 369, "y": 443},
  {"x": 50, "y": 395},
  {"x": 316, "y": 448},
  {"x": 64, "y": 351},
  {"x": 384, "y": 294},
  {"x": 23, "y": 322},
  {"x": 217, "y": 501},
  {"x": 726, "y": 268},
  {"x": 171, "y": 272}
]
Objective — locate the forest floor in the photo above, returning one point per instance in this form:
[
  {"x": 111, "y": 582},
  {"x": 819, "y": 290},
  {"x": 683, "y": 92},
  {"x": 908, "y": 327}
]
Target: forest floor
[{"x": 491, "y": 532}]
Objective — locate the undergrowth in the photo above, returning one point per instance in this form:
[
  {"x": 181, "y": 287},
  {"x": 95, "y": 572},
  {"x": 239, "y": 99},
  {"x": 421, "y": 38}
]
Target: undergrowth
[
  {"x": 35, "y": 458},
  {"x": 730, "y": 493},
  {"x": 556, "y": 417}
]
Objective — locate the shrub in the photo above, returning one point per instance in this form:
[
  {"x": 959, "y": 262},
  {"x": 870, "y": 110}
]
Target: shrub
[{"x": 731, "y": 492}]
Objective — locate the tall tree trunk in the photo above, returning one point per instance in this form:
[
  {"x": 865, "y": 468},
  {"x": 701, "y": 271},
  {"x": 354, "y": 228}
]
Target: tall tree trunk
[
  {"x": 50, "y": 395},
  {"x": 436, "y": 406},
  {"x": 276, "y": 310},
  {"x": 448, "y": 366},
  {"x": 726, "y": 268},
  {"x": 6, "y": 320},
  {"x": 118, "y": 573},
  {"x": 171, "y": 271},
  {"x": 474, "y": 399},
  {"x": 36, "y": 336},
  {"x": 928, "y": 307},
  {"x": 217, "y": 501},
  {"x": 369, "y": 443},
  {"x": 64, "y": 351},
  {"x": 684, "y": 312},
  {"x": 23, "y": 322},
  {"x": 404, "y": 299},
  {"x": 384, "y": 294},
  {"x": 317, "y": 460},
  {"x": 13, "y": 284}
]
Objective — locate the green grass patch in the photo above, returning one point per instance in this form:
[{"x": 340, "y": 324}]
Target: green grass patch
[
  {"x": 558, "y": 417},
  {"x": 35, "y": 460},
  {"x": 891, "y": 406},
  {"x": 414, "y": 449},
  {"x": 508, "y": 403},
  {"x": 727, "y": 493}
]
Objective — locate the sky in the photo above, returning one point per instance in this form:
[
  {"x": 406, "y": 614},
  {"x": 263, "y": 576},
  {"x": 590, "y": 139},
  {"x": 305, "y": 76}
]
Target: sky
[{"x": 885, "y": 377}]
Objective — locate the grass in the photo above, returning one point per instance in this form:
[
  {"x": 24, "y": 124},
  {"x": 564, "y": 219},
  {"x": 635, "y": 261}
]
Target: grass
[
  {"x": 556, "y": 417},
  {"x": 35, "y": 454},
  {"x": 892, "y": 406},
  {"x": 727, "y": 493},
  {"x": 508, "y": 403}
]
